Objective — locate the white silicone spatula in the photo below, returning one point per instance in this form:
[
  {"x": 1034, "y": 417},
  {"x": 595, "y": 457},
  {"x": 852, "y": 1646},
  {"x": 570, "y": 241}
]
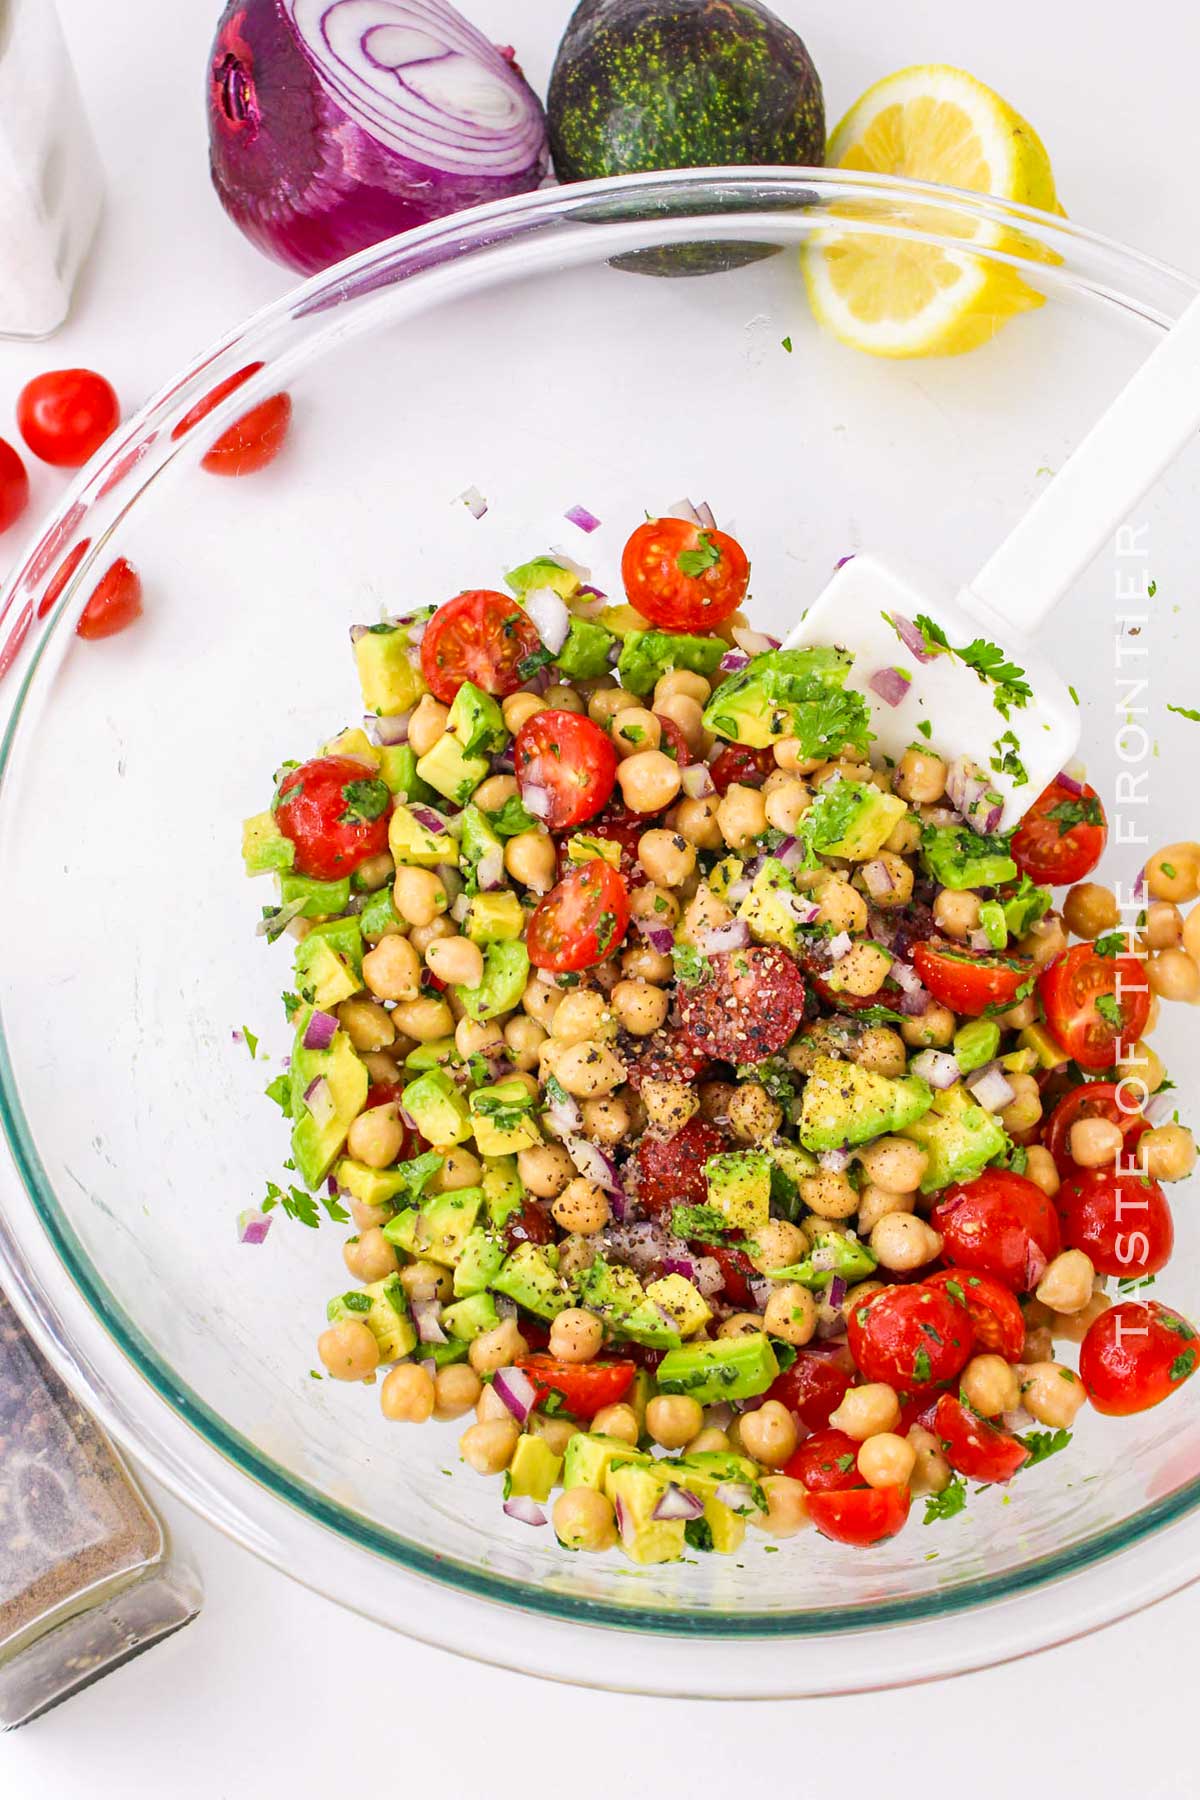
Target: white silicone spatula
[{"x": 1140, "y": 434}]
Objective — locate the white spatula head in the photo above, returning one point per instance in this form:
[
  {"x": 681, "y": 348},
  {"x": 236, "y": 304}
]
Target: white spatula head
[{"x": 1018, "y": 728}]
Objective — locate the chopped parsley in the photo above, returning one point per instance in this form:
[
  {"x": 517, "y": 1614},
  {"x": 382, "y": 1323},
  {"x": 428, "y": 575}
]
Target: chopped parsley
[
  {"x": 511, "y": 819},
  {"x": 365, "y": 801},
  {"x": 986, "y": 659},
  {"x": 1113, "y": 943},
  {"x": 1073, "y": 694},
  {"x": 1041, "y": 1444},
  {"x": 1087, "y": 810},
  {"x": 698, "y": 1533},
  {"x": 703, "y": 1222},
  {"x": 280, "y": 1091},
  {"x": 537, "y": 659},
  {"x": 606, "y": 932},
  {"x": 1109, "y": 1008},
  {"x": 698, "y": 561},
  {"x": 303, "y": 1207},
  {"x": 1006, "y": 761},
  {"x": 922, "y": 1368},
  {"x": 787, "y": 344},
  {"x": 951, "y": 1501},
  {"x": 250, "y": 1041},
  {"x": 1186, "y": 712},
  {"x": 1151, "y": 589},
  {"x": 925, "y": 727},
  {"x": 291, "y": 1003},
  {"x": 1183, "y": 1365},
  {"x": 691, "y": 967}
]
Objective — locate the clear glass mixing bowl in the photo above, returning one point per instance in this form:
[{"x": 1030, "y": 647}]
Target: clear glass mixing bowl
[{"x": 503, "y": 350}]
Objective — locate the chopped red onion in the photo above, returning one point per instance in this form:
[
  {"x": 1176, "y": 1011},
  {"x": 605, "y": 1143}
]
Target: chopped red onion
[
  {"x": 1139, "y": 886},
  {"x": 838, "y": 1288},
  {"x": 358, "y": 631},
  {"x": 525, "y": 1509},
  {"x": 991, "y": 1088},
  {"x": 842, "y": 561},
  {"x": 913, "y": 1003},
  {"x": 569, "y": 564},
  {"x": 548, "y": 610},
  {"x": 679, "y": 1265},
  {"x": 677, "y": 1503},
  {"x": 501, "y": 762},
  {"x": 912, "y": 638},
  {"x": 891, "y": 685},
  {"x": 253, "y": 1226},
  {"x": 738, "y": 1496},
  {"x": 278, "y": 921},
  {"x": 805, "y": 912},
  {"x": 659, "y": 937},
  {"x": 474, "y": 502},
  {"x": 734, "y": 936},
  {"x": 970, "y": 793},
  {"x": 536, "y": 799},
  {"x": 979, "y": 940},
  {"x": 622, "y": 1517},
  {"x": 839, "y": 946},
  {"x": 905, "y": 977},
  {"x": 318, "y": 1097},
  {"x": 754, "y": 643},
  {"x": 490, "y": 871},
  {"x": 732, "y": 662},
  {"x": 683, "y": 509},
  {"x": 389, "y": 730},
  {"x": 696, "y": 781},
  {"x": 704, "y": 513},
  {"x": 427, "y": 1315},
  {"x": 836, "y": 1161},
  {"x": 586, "y": 521},
  {"x": 589, "y": 609},
  {"x": 707, "y": 1275},
  {"x": 517, "y": 1392},
  {"x": 593, "y": 593},
  {"x": 761, "y": 1288},
  {"x": 937, "y": 1067},
  {"x": 591, "y": 1161},
  {"x": 878, "y": 879},
  {"x": 1158, "y": 1108},
  {"x": 1036, "y": 1264},
  {"x": 737, "y": 890},
  {"x": 428, "y": 819},
  {"x": 319, "y": 1032}
]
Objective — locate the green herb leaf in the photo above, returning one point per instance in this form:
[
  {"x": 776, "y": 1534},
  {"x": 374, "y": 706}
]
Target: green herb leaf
[
  {"x": 696, "y": 562},
  {"x": 1186, "y": 712},
  {"x": 691, "y": 967},
  {"x": 1087, "y": 810},
  {"x": 251, "y": 1041},
  {"x": 365, "y": 801},
  {"x": 1041, "y": 1444},
  {"x": 951, "y": 1500},
  {"x": 511, "y": 819}
]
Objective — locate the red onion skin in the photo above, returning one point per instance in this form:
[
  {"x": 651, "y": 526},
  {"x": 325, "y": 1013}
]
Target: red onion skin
[{"x": 298, "y": 177}]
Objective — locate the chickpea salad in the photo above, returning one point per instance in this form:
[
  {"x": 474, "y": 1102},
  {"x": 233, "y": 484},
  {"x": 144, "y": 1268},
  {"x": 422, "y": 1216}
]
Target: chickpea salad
[{"x": 732, "y": 1133}]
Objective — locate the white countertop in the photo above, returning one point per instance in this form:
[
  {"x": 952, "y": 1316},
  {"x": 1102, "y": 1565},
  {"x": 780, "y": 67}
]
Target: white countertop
[{"x": 274, "y": 1690}]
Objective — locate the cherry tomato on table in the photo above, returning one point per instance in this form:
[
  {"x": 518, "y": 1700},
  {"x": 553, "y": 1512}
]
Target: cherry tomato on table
[
  {"x": 910, "y": 1336},
  {"x": 116, "y": 601},
  {"x": 970, "y": 982},
  {"x": 1094, "y": 1100},
  {"x": 975, "y": 1447},
  {"x": 1062, "y": 836},
  {"x": 581, "y": 921},
  {"x": 1000, "y": 1224},
  {"x": 14, "y": 486},
  {"x": 208, "y": 402},
  {"x": 669, "y": 1171},
  {"x": 65, "y": 415},
  {"x": 813, "y": 1387},
  {"x": 996, "y": 1318},
  {"x": 479, "y": 636},
  {"x": 682, "y": 577},
  {"x": 748, "y": 1008},
  {"x": 826, "y": 1462},
  {"x": 252, "y": 441},
  {"x": 566, "y": 767},
  {"x": 585, "y": 1387},
  {"x": 739, "y": 763},
  {"x": 1095, "y": 1004},
  {"x": 863, "y": 1516},
  {"x": 1135, "y": 1355},
  {"x": 1122, "y": 1221},
  {"x": 336, "y": 814}
]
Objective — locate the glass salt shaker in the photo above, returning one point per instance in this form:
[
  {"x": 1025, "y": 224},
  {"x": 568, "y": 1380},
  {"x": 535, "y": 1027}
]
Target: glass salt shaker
[
  {"x": 50, "y": 183},
  {"x": 86, "y": 1578}
]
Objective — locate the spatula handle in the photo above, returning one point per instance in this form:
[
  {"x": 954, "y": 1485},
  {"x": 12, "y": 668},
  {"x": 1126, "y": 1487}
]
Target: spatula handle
[{"x": 1141, "y": 433}]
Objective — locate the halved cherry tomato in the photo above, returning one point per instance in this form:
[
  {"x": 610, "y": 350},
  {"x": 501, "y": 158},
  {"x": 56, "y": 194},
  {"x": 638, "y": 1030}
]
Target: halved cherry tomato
[
  {"x": 567, "y": 765},
  {"x": 970, "y": 982},
  {"x": 673, "y": 743},
  {"x": 826, "y": 1462},
  {"x": 252, "y": 441},
  {"x": 1094, "y": 1100},
  {"x": 737, "y": 1271},
  {"x": 664, "y": 1056},
  {"x": 615, "y": 827},
  {"x": 62, "y": 575},
  {"x": 116, "y": 602},
  {"x": 14, "y": 486},
  {"x": 1122, "y": 1221},
  {"x": 1134, "y": 1355},
  {"x": 748, "y": 1008},
  {"x": 975, "y": 1447},
  {"x": 862, "y": 1517},
  {"x": 1000, "y": 1224},
  {"x": 586, "y": 1388},
  {"x": 1062, "y": 836},
  {"x": 66, "y": 414},
  {"x": 682, "y": 577},
  {"x": 581, "y": 921},
  {"x": 336, "y": 814},
  {"x": 212, "y": 399},
  {"x": 909, "y": 1336},
  {"x": 813, "y": 1387},
  {"x": 738, "y": 763},
  {"x": 479, "y": 636},
  {"x": 997, "y": 1319},
  {"x": 530, "y": 1225},
  {"x": 669, "y": 1171},
  {"x": 1094, "y": 1004}
]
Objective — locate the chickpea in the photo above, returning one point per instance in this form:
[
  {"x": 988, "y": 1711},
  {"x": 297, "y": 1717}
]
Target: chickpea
[
  {"x": 1191, "y": 933},
  {"x": 875, "y": 1203},
  {"x": 478, "y": 1038},
  {"x": 1025, "y": 1108},
  {"x": 886, "y": 1460},
  {"x": 1041, "y": 1169},
  {"x": 427, "y": 1281},
  {"x": 895, "y": 1164},
  {"x": 1090, "y": 909},
  {"x": 1052, "y": 1393},
  {"x": 655, "y": 904},
  {"x": 669, "y": 1104},
  {"x": 830, "y": 1195},
  {"x": 1074, "y": 1326},
  {"x": 743, "y": 1324},
  {"x": 991, "y": 1385},
  {"x": 456, "y": 1389},
  {"x": 1173, "y": 873},
  {"x": 408, "y": 1394},
  {"x": 681, "y": 681},
  {"x": 862, "y": 970},
  {"x": 753, "y": 1115},
  {"x": 931, "y": 1030},
  {"x": 607, "y": 1120},
  {"x": 561, "y": 698},
  {"x": 418, "y": 895},
  {"x": 530, "y": 859},
  {"x": 366, "y": 1024},
  {"x": 1047, "y": 940},
  {"x": 582, "y": 1207},
  {"x": 881, "y": 1050},
  {"x": 348, "y": 1350},
  {"x": 776, "y": 1244},
  {"x": 711, "y": 1438},
  {"x": 742, "y": 815},
  {"x": 545, "y": 1170},
  {"x": 375, "y": 872},
  {"x": 673, "y": 1420},
  {"x": 786, "y": 803},
  {"x": 635, "y": 729},
  {"x": 1167, "y": 1152},
  {"x": 583, "y": 1015},
  {"x": 1173, "y": 975},
  {"x": 715, "y": 1097},
  {"x": 904, "y": 839},
  {"x": 791, "y": 1314},
  {"x": 421, "y": 936},
  {"x": 392, "y": 971},
  {"x": 666, "y": 856},
  {"x": 865, "y": 1411},
  {"x": 576, "y": 1336},
  {"x": 490, "y": 1406},
  {"x": 1066, "y": 1286},
  {"x": 460, "y": 1169},
  {"x": 900, "y": 875},
  {"x": 920, "y": 778},
  {"x": 456, "y": 960},
  {"x": 641, "y": 963},
  {"x": 1038, "y": 1345},
  {"x": 541, "y": 1001},
  {"x": 902, "y": 1241},
  {"x": 583, "y": 1519},
  {"x": 787, "y": 1507},
  {"x": 606, "y": 703},
  {"x": 649, "y": 781},
  {"x": 956, "y": 914},
  {"x": 696, "y": 820},
  {"x": 1019, "y": 1016},
  {"x": 376, "y": 1137},
  {"x": 769, "y": 1433},
  {"x": 374, "y": 1257},
  {"x": 497, "y": 1348},
  {"x": 524, "y": 1038},
  {"x": 589, "y": 1068},
  {"x": 427, "y": 725},
  {"x": 555, "y": 1433},
  {"x": 640, "y": 1008},
  {"x": 931, "y": 1473},
  {"x": 618, "y": 1421},
  {"x": 425, "y": 1019},
  {"x": 789, "y": 755},
  {"x": 1095, "y": 1142},
  {"x": 1163, "y": 929},
  {"x": 381, "y": 1067},
  {"x": 489, "y": 1447},
  {"x": 839, "y": 905},
  {"x": 517, "y": 709}
]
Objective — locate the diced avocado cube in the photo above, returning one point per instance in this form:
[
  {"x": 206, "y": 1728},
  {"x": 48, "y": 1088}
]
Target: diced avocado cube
[
  {"x": 851, "y": 819},
  {"x": 470, "y": 1318},
  {"x": 454, "y": 1350},
  {"x": 478, "y": 843},
  {"x": 528, "y": 1277},
  {"x": 723, "y": 874},
  {"x": 355, "y": 743},
  {"x": 846, "y": 1104},
  {"x": 725, "y": 1369},
  {"x": 316, "y": 1147},
  {"x": 585, "y": 655},
  {"x": 960, "y": 858},
  {"x": 438, "y": 1053},
  {"x": 1025, "y": 907},
  {"x": 344, "y": 936},
  {"x": 479, "y": 1263},
  {"x": 581, "y": 848},
  {"x": 739, "y": 1188},
  {"x": 441, "y": 1227},
  {"x": 495, "y": 918},
  {"x": 534, "y": 1469},
  {"x": 379, "y": 916},
  {"x": 502, "y": 1117},
  {"x": 503, "y": 1190},
  {"x": 639, "y": 1396},
  {"x": 588, "y": 1456},
  {"x": 505, "y": 978},
  {"x": 398, "y": 772},
  {"x": 959, "y": 1137},
  {"x": 1049, "y": 1053},
  {"x": 773, "y": 909},
  {"x": 796, "y": 1163},
  {"x": 542, "y": 572},
  {"x": 726, "y": 1529},
  {"x": 449, "y": 770},
  {"x": 388, "y": 671},
  {"x": 438, "y": 1109},
  {"x": 797, "y": 694},
  {"x": 371, "y": 1187},
  {"x": 320, "y": 897},
  {"x": 975, "y": 1043},
  {"x": 321, "y": 972},
  {"x": 646, "y": 656},
  {"x": 635, "y": 1492},
  {"x": 421, "y": 845},
  {"x": 685, "y": 1303},
  {"x": 614, "y": 1293},
  {"x": 477, "y": 721},
  {"x": 623, "y": 620},
  {"x": 838, "y": 978},
  {"x": 1019, "y": 1062},
  {"x": 833, "y": 1253},
  {"x": 382, "y": 1307},
  {"x": 265, "y": 850},
  {"x": 702, "y": 1468}
]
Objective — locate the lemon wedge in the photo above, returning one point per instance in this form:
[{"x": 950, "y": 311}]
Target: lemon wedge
[{"x": 895, "y": 296}]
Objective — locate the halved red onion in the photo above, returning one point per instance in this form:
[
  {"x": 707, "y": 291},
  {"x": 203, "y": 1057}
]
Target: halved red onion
[
  {"x": 659, "y": 937},
  {"x": 318, "y": 1033},
  {"x": 548, "y": 610},
  {"x": 525, "y": 1509},
  {"x": 937, "y": 1067},
  {"x": 733, "y": 661},
  {"x": 318, "y": 1097},
  {"x": 878, "y": 878},
  {"x": 677, "y": 1503},
  {"x": 991, "y": 1088},
  {"x": 754, "y": 643},
  {"x": 579, "y": 515},
  {"x": 253, "y": 1226},
  {"x": 738, "y": 1496},
  {"x": 891, "y": 685},
  {"x": 696, "y": 781},
  {"x": 912, "y": 638},
  {"x": 517, "y": 1392},
  {"x": 427, "y": 1314},
  {"x": 734, "y": 936}
]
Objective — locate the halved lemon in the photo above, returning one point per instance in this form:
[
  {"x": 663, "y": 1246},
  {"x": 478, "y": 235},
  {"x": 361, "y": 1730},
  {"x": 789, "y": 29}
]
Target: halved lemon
[{"x": 892, "y": 294}]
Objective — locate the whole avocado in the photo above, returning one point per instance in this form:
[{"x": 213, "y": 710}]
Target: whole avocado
[{"x": 672, "y": 84}]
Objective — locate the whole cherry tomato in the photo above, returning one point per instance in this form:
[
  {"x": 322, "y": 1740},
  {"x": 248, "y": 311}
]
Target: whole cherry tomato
[
  {"x": 116, "y": 601},
  {"x": 14, "y": 486},
  {"x": 479, "y": 636},
  {"x": 970, "y": 982},
  {"x": 1062, "y": 836},
  {"x": 910, "y": 1336},
  {"x": 975, "y": 1447},
  {"x": 65, "y": 415},
  {"x": 336, "y": 814},
  {"x": 566, "y": 767},
  {"x": 580, "y": 922},
  {"x": 1121, "y": 1221},
  {"x": 1135, "y": 1355},
  {"x": 862, "y": 1517},
  {"x": 682, "y": 577},
  {"x": 1095, "y": 1004},
  {"x": 1000, "y": 1224}
]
